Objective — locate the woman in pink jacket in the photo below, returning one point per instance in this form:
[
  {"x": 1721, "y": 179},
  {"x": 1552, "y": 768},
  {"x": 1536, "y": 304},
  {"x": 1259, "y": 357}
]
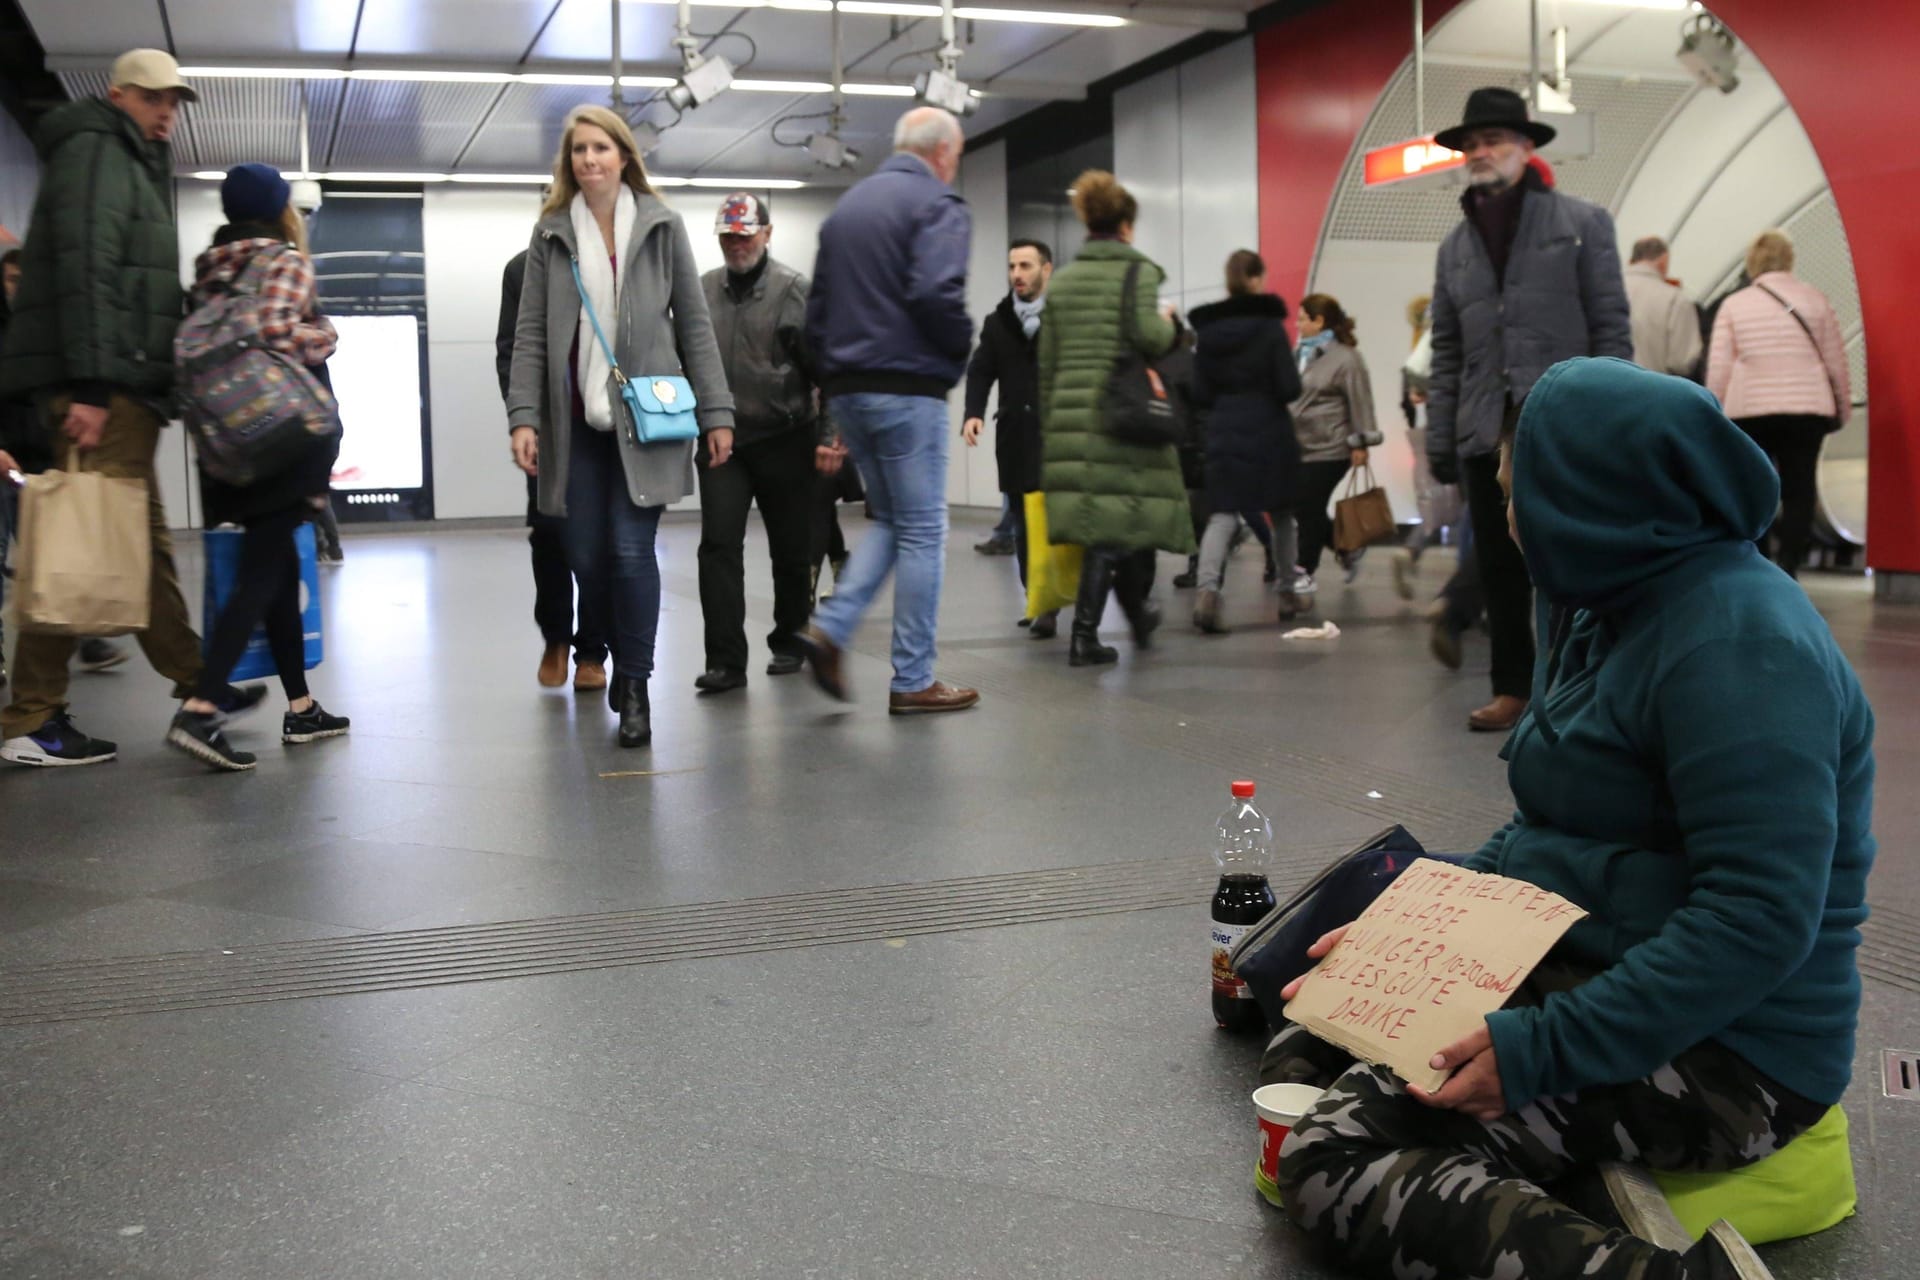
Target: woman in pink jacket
[{"x": 1778, "y": 364}]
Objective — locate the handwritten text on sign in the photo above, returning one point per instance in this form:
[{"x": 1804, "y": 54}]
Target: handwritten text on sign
[{"x": 1440, "y": 949}]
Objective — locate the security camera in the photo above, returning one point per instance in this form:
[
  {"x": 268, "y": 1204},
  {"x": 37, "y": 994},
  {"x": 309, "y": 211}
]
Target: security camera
[
  {"x": 830, "y": 152},
  {"x": 701, "y": 81},
  {"x": 946, "y": 90},
  {"x": 305, "y": 195},
  {"x": 1707, "y": 49},
  {"x": 646, "y": 136}
]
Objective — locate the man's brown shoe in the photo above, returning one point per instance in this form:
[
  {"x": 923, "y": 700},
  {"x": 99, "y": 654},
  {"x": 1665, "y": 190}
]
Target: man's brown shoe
[
  {"x": 824, "y": 656},
  {"x": 935, "y": 697},
  {"x": 589, "y": 677},
  {"x": 1498, "y": 716},
  {"x": 553, "y": 666}
]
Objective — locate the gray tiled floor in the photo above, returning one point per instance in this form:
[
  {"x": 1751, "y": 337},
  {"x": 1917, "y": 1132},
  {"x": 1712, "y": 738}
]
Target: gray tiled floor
[{"x": 1037, "y": 1099}]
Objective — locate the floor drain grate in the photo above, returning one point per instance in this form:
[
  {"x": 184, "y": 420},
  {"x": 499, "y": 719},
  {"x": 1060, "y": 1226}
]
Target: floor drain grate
[{"x": 1900, "y": 1074}]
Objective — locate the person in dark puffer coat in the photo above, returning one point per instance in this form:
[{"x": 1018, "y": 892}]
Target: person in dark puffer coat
[
  {"x": 1119, "y": 501},
  {"x": 92, "y": 341},
  {"x": 1244, "y": 373}
]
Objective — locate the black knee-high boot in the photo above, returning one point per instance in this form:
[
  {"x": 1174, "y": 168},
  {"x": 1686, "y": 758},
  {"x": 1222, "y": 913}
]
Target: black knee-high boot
[{"x": 1096, "y": 581}]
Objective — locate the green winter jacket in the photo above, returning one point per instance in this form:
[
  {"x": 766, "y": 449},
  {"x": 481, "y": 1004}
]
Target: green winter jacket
[
  {"x": 1102, "y": 492},
  {"x": 100, "y": 292}
]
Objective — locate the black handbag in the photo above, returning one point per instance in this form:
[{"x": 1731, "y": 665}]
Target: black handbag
[{"x": 1136, "y": 408}]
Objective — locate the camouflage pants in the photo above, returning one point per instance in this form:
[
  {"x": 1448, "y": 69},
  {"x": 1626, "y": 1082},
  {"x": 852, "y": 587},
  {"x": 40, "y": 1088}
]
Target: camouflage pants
[{"x": 1397, "y": 1188}]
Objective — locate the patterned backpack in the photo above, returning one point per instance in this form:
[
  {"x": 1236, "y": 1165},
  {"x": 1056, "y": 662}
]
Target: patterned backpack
[{"x": 253, "y": 411}]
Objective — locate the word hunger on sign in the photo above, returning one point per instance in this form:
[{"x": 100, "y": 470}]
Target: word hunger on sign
[{"x": 1425, "y": 964}]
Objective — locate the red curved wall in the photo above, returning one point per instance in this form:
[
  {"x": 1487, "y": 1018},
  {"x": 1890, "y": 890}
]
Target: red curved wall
[{"x": 1319, "y": 74}]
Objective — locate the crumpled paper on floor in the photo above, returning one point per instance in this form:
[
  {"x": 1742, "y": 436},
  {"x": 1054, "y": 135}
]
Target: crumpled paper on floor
[{"x": 1325, "y": 631}]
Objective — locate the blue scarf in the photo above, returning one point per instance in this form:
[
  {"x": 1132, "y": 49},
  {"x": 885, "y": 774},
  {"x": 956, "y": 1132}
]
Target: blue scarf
[
  {"x": 1310, "y": 348},
  {"x": 1029, "y": 312}
]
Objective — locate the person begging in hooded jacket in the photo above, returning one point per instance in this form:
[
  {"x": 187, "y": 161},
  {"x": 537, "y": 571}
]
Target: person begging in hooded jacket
[{"x": 1695, "y": 770}]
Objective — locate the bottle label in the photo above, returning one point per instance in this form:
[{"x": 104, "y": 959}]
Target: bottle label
[{"x": 1224, "y": 938}]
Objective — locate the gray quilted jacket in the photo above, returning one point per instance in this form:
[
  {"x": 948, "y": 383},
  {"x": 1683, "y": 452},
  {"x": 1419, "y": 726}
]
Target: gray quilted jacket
[{"x": 1563, "y": 297}]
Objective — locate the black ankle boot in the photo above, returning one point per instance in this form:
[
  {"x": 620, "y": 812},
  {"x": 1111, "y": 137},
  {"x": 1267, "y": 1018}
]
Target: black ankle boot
[
  {"x": 636, "y": 713},
  {"x": 1087, "y": 651}
]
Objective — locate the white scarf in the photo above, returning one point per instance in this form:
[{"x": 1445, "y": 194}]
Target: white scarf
[{"x": 603, "y": 289}]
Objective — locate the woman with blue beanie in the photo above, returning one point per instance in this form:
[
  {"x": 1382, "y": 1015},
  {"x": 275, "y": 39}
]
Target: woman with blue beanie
[{"x": 262, "y": 226}]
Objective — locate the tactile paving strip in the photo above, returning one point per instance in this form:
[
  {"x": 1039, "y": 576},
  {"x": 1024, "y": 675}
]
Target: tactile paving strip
[{"x": 568, "y": 944}]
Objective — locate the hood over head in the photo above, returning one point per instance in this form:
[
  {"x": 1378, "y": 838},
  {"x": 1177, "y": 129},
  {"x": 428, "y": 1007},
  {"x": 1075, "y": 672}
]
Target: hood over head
[
  {"x": 1621, "y": 475},
  {"x": 1623, "y": 478}
]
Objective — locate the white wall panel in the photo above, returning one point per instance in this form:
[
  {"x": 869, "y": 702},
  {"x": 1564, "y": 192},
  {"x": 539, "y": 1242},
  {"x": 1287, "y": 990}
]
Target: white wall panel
[
  {"x": 19, "y": 177},
  {"x": 1146, "y": 159},
  {"x": 1764, "y": 183},
  {"x": 1218, "y": 170},
  {"x": 1683, "y": 160},
  {"x": 973, "y": 479}
]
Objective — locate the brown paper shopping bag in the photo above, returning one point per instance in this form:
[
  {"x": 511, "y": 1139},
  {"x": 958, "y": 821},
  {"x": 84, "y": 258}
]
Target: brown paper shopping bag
[
  {"x": 86, "y": 554},
  {"x": 1364, "y": 516}
]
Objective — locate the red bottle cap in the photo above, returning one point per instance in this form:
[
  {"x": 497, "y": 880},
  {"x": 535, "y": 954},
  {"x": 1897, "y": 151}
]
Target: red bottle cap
[{"x": 1243, "y": 790}]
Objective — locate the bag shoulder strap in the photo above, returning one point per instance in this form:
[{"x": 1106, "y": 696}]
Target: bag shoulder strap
[
  {"x": 1807, "y": 329},
  {"x": 1129, "y": 295},
  {"x": 586, "y": 304}
]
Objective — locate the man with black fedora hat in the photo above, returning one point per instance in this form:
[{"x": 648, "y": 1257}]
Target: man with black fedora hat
[{"x": 1531, "y": 277}]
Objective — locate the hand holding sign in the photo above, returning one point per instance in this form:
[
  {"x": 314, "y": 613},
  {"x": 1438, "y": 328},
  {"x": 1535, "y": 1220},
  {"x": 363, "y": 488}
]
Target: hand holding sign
[{"x": 1412, "y": 980}]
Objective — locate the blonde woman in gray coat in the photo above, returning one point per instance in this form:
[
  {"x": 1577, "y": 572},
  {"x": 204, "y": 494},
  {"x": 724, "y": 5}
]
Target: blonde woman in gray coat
[
  {"x": 636, "y": 269},
  {"x": 1333, "y": 420}
]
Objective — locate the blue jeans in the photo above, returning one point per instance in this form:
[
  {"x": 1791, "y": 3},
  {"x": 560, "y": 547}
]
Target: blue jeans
[
  {"x": 609, "y": 545},
  {"x": 900, "y": 446}
]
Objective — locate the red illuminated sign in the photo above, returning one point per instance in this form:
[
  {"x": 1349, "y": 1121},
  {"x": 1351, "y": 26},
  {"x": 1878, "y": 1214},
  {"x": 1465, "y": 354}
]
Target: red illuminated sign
[{"x": 1414, "y": 158}]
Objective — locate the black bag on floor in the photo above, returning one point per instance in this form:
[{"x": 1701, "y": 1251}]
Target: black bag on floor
[{"x": 1274, "y": 952}]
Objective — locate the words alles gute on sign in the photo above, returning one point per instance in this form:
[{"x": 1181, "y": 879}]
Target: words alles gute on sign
[{"x": 1424, "y": 965}]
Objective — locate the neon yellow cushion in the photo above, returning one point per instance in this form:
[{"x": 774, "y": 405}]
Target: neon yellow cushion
[{"x": 1804, "y": 1187}]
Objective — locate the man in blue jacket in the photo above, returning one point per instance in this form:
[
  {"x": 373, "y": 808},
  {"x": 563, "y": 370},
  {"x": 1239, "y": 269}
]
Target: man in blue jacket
[
  {"x": 1529, "y": 278},
  {"x": 887, "y": 317}
]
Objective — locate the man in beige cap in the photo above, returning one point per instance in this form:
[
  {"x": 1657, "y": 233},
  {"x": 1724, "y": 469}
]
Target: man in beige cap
[{"x": 92, "y": 342}]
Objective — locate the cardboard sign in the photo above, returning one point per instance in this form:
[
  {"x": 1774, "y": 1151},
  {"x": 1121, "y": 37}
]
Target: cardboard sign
[{"x": 1425, "y": 964}]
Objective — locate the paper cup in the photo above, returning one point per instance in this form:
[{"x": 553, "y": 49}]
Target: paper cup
[{"x": 1279, "y": 1107}]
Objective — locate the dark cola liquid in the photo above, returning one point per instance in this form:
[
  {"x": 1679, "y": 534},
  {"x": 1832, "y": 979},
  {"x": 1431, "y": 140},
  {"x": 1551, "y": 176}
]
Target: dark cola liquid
[{"x": 1239, "y": 903}]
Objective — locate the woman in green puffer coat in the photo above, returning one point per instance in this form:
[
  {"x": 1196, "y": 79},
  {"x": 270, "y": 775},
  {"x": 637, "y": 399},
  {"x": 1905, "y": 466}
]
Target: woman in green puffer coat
[{"x": 1121, "y": 502}]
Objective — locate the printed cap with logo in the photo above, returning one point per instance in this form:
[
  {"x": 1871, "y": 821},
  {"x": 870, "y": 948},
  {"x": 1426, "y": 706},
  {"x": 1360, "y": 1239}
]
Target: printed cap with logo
[
  {"x": 152, "y": 69},
  {"x": 741, "y": 214}
]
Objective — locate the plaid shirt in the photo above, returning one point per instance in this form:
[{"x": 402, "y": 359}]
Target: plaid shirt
[{"x": 288, "y": 317}]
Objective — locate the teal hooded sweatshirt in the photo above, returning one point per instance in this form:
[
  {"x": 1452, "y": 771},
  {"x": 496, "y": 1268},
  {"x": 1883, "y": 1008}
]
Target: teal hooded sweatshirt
[{"x": 1696, "y": 765}]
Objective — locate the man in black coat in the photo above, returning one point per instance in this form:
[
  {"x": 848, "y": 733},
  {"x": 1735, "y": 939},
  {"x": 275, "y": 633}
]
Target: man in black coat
[
  {"x": 552, "y": 580},
  {"x": 1009, "y": 354}
]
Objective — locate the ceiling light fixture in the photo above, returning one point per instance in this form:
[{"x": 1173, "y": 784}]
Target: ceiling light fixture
[
  {"x": 868, "y": 89},
  {"x": 517, "y": 179},
  {"x": 1039, "y": 17}
]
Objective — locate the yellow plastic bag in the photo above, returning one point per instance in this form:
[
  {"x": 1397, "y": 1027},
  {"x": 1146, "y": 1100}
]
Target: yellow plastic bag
[{"x": 1053, "y": 570}]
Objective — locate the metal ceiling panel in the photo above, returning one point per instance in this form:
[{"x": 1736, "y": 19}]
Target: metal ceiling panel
[
  {"x": 583, "y": 30},
  {"x": 263, "y": 28},
  {"x": 388, "y": 125},
  {"x": 104, "y": 27},
  {"x": 451, "y": 30},
  {"x": 237, "y": 121},
  {"x": 1088, "y": 55},
  {"x": 1603, "y": 37}
]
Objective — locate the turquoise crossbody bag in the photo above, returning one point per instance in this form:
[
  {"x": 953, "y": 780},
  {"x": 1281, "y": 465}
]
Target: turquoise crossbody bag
[{"x": 655, "y": 410}]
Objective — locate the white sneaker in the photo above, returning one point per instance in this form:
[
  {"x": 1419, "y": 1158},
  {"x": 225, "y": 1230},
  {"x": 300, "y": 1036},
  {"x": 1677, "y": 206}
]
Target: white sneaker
[{"x": 1303, "y": 584}]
